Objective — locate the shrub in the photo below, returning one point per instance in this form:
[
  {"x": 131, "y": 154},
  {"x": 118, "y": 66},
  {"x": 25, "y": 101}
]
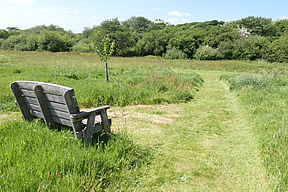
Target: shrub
[
  {"x": 83, "y": 46},
  {"x": 174, "y": 53},
  {"x": 250, "y": 48},
  {"x": 208, "y": 53},
  {"x": 277, "y": 51}
]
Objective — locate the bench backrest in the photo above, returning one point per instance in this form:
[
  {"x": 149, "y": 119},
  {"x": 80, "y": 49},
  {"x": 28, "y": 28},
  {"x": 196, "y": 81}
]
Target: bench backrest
[{"x": 53, "y": 103}]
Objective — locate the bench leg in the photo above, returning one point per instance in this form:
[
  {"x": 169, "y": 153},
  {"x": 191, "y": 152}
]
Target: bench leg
[
  {"x": 88, "y": 133},
  {"x": 105, "y": 123}
]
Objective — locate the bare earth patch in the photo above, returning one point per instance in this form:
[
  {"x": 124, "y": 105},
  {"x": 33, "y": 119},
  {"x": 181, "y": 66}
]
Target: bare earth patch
[
  {"x": 147, "y": 123},
  {"x": 10, "y": 116}
]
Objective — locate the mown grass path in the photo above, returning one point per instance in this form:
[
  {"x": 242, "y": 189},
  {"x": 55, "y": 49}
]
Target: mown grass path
[{"x": 209, "y": 147}]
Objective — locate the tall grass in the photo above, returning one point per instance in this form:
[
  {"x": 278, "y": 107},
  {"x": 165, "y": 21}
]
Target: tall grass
[
  {"x": 34, "y": 158},
  {"x": 265, "y": 95},
  {"x": 85, "y": 74}
]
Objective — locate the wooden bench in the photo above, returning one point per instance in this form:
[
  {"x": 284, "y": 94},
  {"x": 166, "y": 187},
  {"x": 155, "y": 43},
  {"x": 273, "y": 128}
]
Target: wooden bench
[{"x": 56, "y": 105}]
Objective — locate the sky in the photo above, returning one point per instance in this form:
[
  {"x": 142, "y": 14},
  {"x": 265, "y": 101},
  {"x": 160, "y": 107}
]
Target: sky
[{"x": 75, "y": 15}]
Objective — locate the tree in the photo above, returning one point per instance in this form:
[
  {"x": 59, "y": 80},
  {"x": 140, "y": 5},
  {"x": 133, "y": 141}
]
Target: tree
[
  {"x": 277, "y": 51},
  {"x": 258, "y": 25},
  {"x": 54, "y": 41},
  {"x": 138, "y": 24},
  {"x": 3, "y": 34},
  {"x": 105, "y": 51},
  {"x": 117, "y": 33}
]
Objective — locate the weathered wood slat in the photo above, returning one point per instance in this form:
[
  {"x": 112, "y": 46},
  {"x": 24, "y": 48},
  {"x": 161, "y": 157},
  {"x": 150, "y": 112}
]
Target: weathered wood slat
[
  {"x": 60, "y": 114},
  {"x": 37, "y": 114},
  {"x": 55, "y": 98},
  {"x": 51, "y": 105},
  {"x": 20, "y": 101},
  {"x": 33, "y": 107},
  {"x": 49, "y": 96},
  {"x": 57, "y": 106},
  {"x": 71, "y": 102},
  {"x": 88, "y": 134},
  {"x": 53, "y": 111},
  {"x": 104, "y": 122},
  {"x": 87, "y": 112},
  {"x": 62, "y": 121},
  {"x": 42, "y": 101},
  {"x": 28, "y": 93},
  {"x": 47, "y": 87},
  {"x": 31, "y": 100}
]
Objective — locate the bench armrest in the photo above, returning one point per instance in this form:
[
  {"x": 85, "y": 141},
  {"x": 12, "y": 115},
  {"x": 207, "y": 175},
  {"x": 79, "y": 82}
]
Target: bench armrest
[{"x": 85, "y": 114}]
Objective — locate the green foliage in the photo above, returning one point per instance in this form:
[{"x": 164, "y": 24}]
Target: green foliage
[
  {"x": 250, "y": 48},
  {"x": 123, "y": 38},
  {"x": 106, "y": 48},
  {"x": 207, "y": 53},
  {"x": 153, "y": 43},
  {"x": 184, "y": 43},
  {"x": 277, "y": 51},
  {"x": 281, "y": 27},
  {"x": 258, "y": 25},
  {"x": 35, "y": 158},
  {"x": 3, "y": 34},
  {"x": 174, "y": 53},
  {"x": 139, "y": 25},
  {"x": 54, "y": 41},
  {"x": 83, "y": 46},
  {"x": 250, "y": 38}
]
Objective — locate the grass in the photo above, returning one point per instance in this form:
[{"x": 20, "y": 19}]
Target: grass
[
  {"x": 128, "y": 82},
  {"x": 186, "y": 137},
  {"x": 265, "y": 96},
  {"x": 208, "y": 146},
  {"x": 34, "y": 158}
]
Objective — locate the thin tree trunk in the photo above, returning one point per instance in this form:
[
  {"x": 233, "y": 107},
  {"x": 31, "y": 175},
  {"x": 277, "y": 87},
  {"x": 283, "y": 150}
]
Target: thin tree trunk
[{"x": 106, "y": 72}]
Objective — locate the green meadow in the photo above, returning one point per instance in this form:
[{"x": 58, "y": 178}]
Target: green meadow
[{"x": 178, "y": 125}]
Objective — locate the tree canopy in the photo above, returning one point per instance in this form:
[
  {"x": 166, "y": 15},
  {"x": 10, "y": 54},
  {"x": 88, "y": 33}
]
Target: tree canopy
[{"x": 249, "y": 38}]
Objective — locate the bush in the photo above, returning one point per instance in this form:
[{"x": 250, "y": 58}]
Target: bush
[
  {"x": 277, "y": 51},
  {"x": 250, "y": 48},
  {"x": 54, "y": 41},
  {"x": 83, "y": 46},
  {"x": 174, "y": 53},
  {"x": 208, "y": 53}
]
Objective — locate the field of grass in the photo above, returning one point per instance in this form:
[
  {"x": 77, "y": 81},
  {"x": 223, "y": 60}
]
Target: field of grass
[
  {"x": 132, "y": 81},
  {"x": 265, "y": 96},
  {"x": 178, "y": 125}
]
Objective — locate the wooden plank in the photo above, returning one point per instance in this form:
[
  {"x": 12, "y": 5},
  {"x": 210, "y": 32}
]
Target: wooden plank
[
  {"x": 60, "y": 114},
  {"x": 62, "y": 121},
  {"x": 104, "y": 122},
  {"x": 58, "y": 107},
  {"x": 31, "y": 100},
  {"x": 55, "y": 98},
  {"x": 42, "y": 101},
  {"x": 37, "y": 114},
  {"x": 20, "y": 101},
  {"x": 87, "y": 112},
  {"x": 51, "y": 105},
  {"x": 49, "y": 96},
  {"x": 28, "y": 93},
  {"x": 33, "y": 107},
  {"x": 47, "y": 87},
  {"x": 71, "y": 102},
  {"x": 89, "y": 130},
  {"x": 72, "y": 107}
]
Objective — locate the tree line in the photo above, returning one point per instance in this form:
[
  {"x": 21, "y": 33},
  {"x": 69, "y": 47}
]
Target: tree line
[{"x": 250, "y": 38}]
